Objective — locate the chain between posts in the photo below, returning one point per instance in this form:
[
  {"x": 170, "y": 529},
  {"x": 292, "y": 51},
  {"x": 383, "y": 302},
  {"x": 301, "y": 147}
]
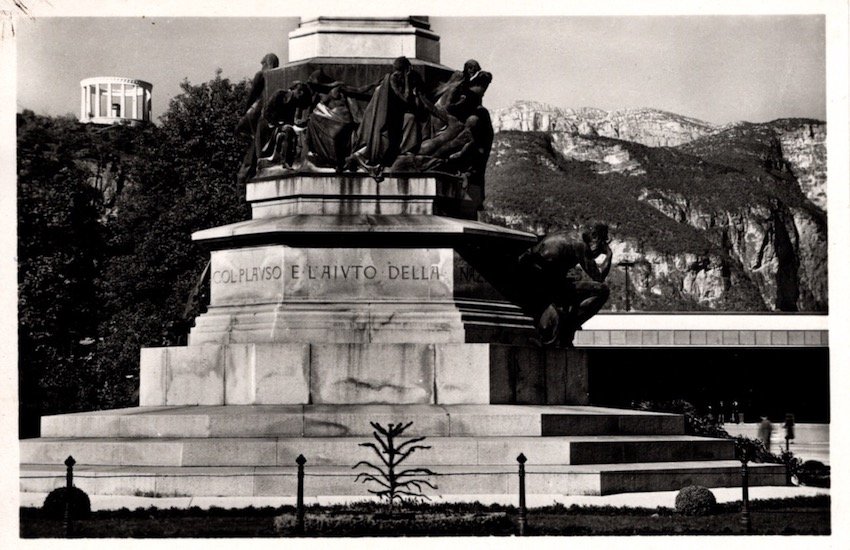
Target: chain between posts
[{"x": 522, "y": 518}]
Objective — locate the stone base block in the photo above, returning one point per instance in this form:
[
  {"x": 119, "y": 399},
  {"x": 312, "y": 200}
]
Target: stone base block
[
  {"x": 295, "y": 373},
  {"x": 672, "y": 476},
  {"x": 280, "y": 481},
  {"x": 341, "y": 451},
  {"x": 182, "y": 376},
  {"x": 538, "y": 376},
  {"x": 329, "y": 322},
  {"x": 592, "y": 424},
  {"x": 596, "y": 450},
  {"x": 372, "y": 373},
  {"x": 354, "y": 420},
  {"x": 382, "y": 38}
]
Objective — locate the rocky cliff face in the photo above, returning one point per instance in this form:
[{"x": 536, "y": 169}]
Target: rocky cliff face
[
  {"x": 804, "y": 147},
  {"x": 745, "y": 204},
  {"x": 645, "y": 126},
  {"x": 605, "y": 158},
  {"x": 781, "y": 249},
  {"x": 658, "y": 280}
]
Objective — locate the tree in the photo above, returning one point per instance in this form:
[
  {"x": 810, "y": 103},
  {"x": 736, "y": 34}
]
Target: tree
[
  {"x": 183, "y": 180},
  {"x": 102, "y": 276},
  {"x": 59, "y": 251},
  {"x": 394, "y": 484}
]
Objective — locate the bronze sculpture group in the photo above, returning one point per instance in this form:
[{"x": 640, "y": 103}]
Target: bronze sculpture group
[{"x": 322, "y": 124}]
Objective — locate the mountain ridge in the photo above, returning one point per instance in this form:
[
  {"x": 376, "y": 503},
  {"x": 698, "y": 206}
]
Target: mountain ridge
[{"x": 731, "y": 217}]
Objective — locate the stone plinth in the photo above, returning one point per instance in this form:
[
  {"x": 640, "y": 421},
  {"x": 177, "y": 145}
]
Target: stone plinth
[
  {"x": 269, "y": 373},
  {"x": 357, "y": 37},
  {"x": 278, "y": 193},
  {"x": 301, "y": 373},
  {"x": 351, "y": 194},
  {"x": 289, "y": 294},
  {"x": 250, "y": 450},
  {"x": 341, "y": 259}
]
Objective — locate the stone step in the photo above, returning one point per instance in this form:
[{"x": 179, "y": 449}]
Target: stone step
[
  {"x": 341, "y": 451},
  {"x": 354, "y": 420},
  {"x": 452, "y": 480}
]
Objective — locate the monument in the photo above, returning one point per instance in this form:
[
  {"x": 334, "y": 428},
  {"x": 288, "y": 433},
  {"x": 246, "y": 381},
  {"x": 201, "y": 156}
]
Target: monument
[{"x": 362, "y": 289}]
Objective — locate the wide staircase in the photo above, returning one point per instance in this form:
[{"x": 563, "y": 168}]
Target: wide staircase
[{"x": 251, "y": 450}]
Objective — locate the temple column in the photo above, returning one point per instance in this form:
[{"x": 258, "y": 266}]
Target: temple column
[
  {"x": 123, "y": 112},
  {"x": 98, "y": 100},
  {"x": 109, "y": 100},
  {"x": 136, "y": 102}
]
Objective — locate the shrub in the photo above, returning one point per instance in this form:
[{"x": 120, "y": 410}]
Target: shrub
[
  {"x": 54, "y": 504},
  {"x": 695, "y": 500},
  {"x": 813, "y": 473},
  {"x": 696, "y": 423}
]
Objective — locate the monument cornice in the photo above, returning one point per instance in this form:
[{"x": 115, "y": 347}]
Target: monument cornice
[
  {"x": 327, "y": 60},
  {"x": 372, "y": 229},
  {"x": 115, "y": 80}
]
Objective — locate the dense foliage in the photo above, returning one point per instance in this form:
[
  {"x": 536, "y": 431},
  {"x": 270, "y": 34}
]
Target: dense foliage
[
  {"x": 104, "y": 271},
  {"x": 696, "y": 422},
  {"x": 60, "y": 251},
  {"x": 184, "y": 182}
]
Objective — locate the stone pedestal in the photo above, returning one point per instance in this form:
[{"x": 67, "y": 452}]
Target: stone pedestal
[
  {"x": 337, "y": 292},
  {"x": 387, "y": 38},
  {"x": 343, "y": 290},
  {"x": 360, "y": 373}
]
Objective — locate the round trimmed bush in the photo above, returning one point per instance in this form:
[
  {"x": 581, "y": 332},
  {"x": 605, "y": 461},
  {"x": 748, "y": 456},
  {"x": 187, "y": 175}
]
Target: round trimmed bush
[
  {"x": 54, "y": 504},
  {"x": 813, "y": 473},
  {"x": 695, "y": 500}
]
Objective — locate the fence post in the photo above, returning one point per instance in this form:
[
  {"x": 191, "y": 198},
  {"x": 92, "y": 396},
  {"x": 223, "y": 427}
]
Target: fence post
[
  {"x": 745, "y": 493},
  {"x": 299, "y": 502},
  {"x": 522, "y": 511},
  {"x": 67, "y": 523}
]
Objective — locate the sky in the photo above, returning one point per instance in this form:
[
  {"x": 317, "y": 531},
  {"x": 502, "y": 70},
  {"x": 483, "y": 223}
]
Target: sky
[{"x": 716, "y": 68}]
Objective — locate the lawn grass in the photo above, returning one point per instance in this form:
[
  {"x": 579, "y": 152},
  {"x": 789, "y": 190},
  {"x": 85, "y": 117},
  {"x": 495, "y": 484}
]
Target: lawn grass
[{"x": 797, "y": 516}]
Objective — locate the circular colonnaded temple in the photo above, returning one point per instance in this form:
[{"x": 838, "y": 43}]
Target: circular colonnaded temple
[{"x": 111, "y": 99}]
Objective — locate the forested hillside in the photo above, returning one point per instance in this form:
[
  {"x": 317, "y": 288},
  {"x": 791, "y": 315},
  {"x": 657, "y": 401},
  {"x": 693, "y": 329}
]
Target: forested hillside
[{"x": 733, "y": 219}]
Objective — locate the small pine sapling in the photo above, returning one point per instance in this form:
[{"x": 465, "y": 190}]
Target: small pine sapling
[{"x": 394, "y": 484}]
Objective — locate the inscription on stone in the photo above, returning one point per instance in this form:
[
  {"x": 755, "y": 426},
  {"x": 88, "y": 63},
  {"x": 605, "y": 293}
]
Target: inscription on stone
[
  {"x": 279, "y": 273},
  {"x": 356, "y": 272},
  {"x": 470, "y": 283},
  {"x": 334, "y": 272},
  {"x": 247, "y": 274}
]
